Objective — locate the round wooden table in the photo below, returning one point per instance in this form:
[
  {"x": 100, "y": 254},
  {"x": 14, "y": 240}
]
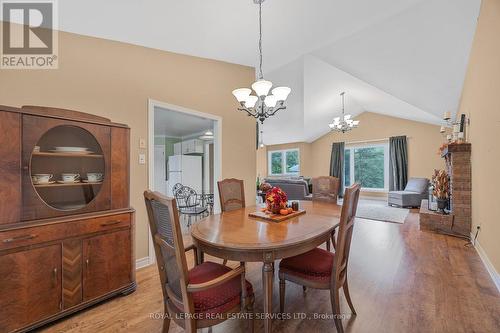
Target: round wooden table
[{"x": 236, "y": 236}]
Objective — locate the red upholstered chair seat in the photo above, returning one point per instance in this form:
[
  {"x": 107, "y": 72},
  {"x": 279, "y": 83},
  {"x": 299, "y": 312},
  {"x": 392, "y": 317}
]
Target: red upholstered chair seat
[
  {"x": 218, "y": 299},
  {"x": 315, "y": 265}
]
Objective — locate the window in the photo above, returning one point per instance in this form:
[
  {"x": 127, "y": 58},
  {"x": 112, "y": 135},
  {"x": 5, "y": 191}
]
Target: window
[
  {"x": 367, "y": 165},
  {"x": 284, "y": 162}
]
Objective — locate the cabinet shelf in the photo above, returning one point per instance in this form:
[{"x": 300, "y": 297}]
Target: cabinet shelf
[
  {"x": 67, "y": 155},
  {"x": 65, "y": 185}
]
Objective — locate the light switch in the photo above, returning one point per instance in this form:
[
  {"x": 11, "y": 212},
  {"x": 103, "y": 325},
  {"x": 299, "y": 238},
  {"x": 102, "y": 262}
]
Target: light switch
[
  {"x": 142, "y": 143},
  {"x": 142, "y": 158}
]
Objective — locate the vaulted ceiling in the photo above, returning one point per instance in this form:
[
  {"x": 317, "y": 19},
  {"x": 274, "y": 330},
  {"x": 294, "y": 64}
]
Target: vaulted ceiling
[{"x": 404, "y": 58}]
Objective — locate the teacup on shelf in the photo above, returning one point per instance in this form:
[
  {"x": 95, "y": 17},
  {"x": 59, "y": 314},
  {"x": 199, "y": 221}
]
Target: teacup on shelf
[
  {"x": 36, "y": 149},
  {"x": 94, "y": 177},
  {"x": 70, "y": 177},
  {"x": 41, "y": 178}
]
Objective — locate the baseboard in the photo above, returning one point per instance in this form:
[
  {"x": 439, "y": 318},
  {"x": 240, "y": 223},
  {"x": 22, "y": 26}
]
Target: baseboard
[
  {"x": 487, "y": 263},
  {"x": 143, "y": 262}
]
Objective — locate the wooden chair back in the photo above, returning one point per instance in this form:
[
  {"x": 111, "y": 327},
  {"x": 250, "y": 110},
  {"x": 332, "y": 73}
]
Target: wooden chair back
[
  {"x": 347, "y": 217},
  {"x": 169, "y": 248},
  {"x": 325, "y": 188},
  {"x": 231, "y": 194}
]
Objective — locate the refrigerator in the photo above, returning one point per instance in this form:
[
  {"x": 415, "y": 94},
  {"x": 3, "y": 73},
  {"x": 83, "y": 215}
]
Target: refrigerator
[{"x": 185, "y": 169}]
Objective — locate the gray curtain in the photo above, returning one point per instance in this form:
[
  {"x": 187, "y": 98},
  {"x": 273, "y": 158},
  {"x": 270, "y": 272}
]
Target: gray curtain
[
  {"x": 337, "y": 164},
  {"x": 398, "y": 163}
]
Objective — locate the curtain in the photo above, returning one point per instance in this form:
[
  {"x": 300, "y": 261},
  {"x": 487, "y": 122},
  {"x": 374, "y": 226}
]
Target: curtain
[
  {"x": 398, "y": 163},
  {"x": 337, "y": 164}
]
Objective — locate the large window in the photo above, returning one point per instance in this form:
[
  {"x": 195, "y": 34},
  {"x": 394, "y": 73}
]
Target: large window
[
  {"x": 367, "y": 165},
  {"x": 284, "y": 162}
]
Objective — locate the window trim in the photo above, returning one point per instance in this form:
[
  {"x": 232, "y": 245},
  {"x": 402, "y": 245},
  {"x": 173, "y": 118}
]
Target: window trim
[
  {"x": 385, "y": 145},
  {"x": 283, "y": 162}
]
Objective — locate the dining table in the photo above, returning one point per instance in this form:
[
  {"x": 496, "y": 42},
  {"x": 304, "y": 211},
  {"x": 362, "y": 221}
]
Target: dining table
[{"x": 234, "y": 235}]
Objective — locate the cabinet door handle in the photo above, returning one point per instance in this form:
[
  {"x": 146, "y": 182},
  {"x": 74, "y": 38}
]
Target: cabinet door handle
[
  {"x": 87, "y": 263},
  {"x": 54, "y": 276},
  {"x": 106, "y": 224},
  {"x": 19, "y": 238}
]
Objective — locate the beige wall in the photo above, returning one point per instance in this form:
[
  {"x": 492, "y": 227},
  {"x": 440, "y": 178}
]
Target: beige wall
[
  {"x": 481, "y": 102},
  {"x": 423, "y": 143},
  {"x": 115, "y": 80},
  {"x": 304, "y": 154}
]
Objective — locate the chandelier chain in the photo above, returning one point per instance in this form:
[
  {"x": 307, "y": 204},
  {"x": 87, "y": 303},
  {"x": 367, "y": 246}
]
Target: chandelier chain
[{"x": 261, "y": 76}]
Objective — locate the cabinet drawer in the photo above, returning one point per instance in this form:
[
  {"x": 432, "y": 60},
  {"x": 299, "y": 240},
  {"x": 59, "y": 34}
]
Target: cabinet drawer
[{"x": 51, "y": 232}]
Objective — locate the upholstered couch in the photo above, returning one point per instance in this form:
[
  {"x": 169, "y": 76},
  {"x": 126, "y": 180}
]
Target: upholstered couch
[
  {"x": 416, "y": 189},
  {"x": 295, "y": 188}
]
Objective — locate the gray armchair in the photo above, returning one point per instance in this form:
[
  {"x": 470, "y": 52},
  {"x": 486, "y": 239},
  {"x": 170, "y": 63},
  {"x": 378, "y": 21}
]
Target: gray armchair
[{"x": 415, "y": 190}]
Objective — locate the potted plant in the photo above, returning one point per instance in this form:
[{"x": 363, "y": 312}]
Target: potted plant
[
  {"x": 276, "y": 199},
  {"x": 441, "y": 183}
]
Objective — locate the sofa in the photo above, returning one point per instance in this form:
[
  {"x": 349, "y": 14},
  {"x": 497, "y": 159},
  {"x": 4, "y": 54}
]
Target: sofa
[
  {"x": 295, "y": 188},
  {"x": 415, "y": 191}
]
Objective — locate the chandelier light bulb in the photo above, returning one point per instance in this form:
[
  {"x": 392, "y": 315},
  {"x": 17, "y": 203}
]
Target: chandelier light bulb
[
  {"x": 242, "y": 94},
  {"x": 281, "y": 93},
  {"x": 262, "y": 87},
  {"x": 271, "y": 101},
  {"x": 250, "y": 101}
]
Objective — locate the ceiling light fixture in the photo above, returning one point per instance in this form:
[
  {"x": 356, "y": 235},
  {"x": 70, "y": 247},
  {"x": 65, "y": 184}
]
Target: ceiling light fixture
[
  {"x": 262, "y": 105},
  {"x": 344, "y": 123},
  {"x": 208, "y": 135}
]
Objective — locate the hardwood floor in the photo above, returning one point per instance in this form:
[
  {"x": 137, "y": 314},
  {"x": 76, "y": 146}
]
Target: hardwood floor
[{"x": 401, "y": 280}]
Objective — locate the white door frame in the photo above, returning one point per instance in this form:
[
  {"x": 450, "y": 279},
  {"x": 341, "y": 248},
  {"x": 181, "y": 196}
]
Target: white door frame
[{"x": 217, "y": 152}]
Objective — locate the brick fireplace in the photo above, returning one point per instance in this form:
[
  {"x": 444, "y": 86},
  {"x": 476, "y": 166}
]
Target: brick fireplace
[{"x": 459, "y": 221}]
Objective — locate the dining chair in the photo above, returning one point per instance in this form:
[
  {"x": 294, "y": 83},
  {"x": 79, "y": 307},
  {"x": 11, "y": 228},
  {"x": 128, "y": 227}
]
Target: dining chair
[
  {"x": 322, "y": 269},
  {"x": 326, "y": 188},
  {"x": 231, "y": 194},
  {"x": 203, "y": 296}
]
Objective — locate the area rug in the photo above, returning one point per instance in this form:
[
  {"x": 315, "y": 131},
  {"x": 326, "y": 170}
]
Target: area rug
[{"x": 379, "y": 210}]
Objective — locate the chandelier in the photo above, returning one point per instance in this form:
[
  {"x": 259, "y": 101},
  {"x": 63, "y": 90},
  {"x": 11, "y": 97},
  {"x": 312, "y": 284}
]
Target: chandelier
[
  {"x": 262, "y": 105},
  {"x": 344, "y": 123}
]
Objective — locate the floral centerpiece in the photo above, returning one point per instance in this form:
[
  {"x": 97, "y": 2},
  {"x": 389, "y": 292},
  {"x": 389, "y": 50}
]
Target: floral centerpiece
[
  {"x": 441, "y": 183},
  {"x": 276, "y": 199}
]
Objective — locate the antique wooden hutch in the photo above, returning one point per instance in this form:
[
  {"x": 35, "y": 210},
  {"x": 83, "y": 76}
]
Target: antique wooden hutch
[{"x": 63, "y": 245}]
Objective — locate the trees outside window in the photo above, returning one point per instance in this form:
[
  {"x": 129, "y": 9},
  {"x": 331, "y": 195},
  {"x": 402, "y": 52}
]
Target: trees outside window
[{"x": 284, "y": 162}]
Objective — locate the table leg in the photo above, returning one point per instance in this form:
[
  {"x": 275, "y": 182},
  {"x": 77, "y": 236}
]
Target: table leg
[
  {"x": 200, "y": 256},
  {"x": 267, "y": 280}
]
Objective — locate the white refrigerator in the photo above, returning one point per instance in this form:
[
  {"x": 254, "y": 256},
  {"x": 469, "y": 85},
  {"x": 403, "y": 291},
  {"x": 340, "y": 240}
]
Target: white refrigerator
[{"x": 186, "y": 170}]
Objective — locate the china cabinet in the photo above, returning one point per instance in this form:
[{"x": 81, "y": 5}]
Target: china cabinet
[{"x": 66, "y": 226}]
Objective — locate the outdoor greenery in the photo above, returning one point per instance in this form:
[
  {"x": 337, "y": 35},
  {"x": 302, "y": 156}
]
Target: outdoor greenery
[
  {"x": 368, "y": 167},
  {"x": 291, "y": 159},
  {"x": 276, "y": 163}
]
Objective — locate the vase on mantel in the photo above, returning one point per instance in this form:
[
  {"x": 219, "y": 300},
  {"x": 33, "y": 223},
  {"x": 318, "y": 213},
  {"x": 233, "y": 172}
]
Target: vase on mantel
[{"x": 441, "y": 205}]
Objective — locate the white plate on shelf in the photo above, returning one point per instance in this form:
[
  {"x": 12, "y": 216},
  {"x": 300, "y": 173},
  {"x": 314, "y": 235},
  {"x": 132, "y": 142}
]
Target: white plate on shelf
[
  {"x": 86, "y": 181},
  {"x": 71, "y": 149},
  {"x": 68, "y": 182},
  {"x": 87, "y": 152}
]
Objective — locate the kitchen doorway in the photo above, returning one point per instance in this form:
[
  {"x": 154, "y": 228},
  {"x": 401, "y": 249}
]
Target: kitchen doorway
[{"x": 184, "y": 150}]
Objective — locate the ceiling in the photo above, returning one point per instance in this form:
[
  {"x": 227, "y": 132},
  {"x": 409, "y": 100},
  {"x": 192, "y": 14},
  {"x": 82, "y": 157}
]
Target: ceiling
[
  {"x": 404, "y": 58},
  {"x": 174, "y": 124}
]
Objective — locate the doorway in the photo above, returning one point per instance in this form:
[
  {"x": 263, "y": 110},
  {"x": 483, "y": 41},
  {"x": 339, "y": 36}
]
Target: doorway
[{"x": 184, "y": 150}]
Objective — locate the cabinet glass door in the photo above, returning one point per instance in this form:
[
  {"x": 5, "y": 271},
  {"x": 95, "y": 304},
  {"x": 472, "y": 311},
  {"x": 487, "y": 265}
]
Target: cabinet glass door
[{"x": 67, "y": 168}]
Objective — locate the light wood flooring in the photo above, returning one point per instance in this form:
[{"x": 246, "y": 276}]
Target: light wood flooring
[{"x": 401, "y": 280}]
